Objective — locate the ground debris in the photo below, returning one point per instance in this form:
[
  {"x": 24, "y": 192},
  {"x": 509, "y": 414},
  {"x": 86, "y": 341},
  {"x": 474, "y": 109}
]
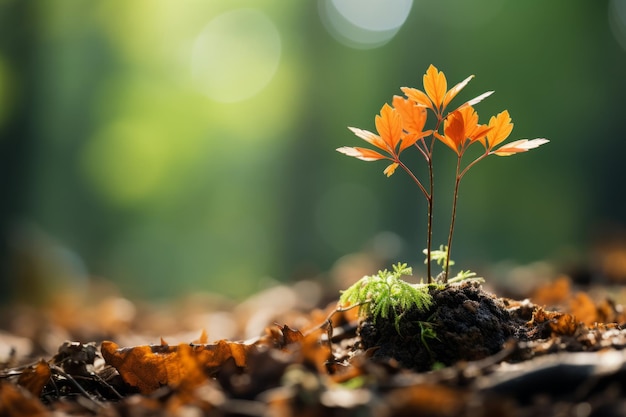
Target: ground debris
[{"x": 471, "y": 353}]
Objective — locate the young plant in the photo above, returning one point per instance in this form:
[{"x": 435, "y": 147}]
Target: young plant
[
  {"x": 400, "y": 126},
  {"x": 386, "y": 295}
]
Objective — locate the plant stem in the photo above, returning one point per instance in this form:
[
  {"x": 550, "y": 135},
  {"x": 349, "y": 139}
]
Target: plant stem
[
  {"x": 429, "y": 236},
  {"x": 454, "y": 202},
  {"x": 431, "y": 199}
]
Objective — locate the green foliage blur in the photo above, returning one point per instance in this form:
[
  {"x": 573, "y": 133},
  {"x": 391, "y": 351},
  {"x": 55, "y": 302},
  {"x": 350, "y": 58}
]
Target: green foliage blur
[{"x": 177, "y": 146}]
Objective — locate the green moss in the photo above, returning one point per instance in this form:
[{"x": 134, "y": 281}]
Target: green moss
[{"x": 385, "y": 295}]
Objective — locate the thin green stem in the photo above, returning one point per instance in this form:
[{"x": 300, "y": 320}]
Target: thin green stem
[{"x": 452, "y": 220}]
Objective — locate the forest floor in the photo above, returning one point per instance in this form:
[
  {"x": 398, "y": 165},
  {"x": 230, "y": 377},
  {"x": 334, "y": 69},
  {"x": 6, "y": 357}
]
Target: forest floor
[{"x": 286, "y": 351}]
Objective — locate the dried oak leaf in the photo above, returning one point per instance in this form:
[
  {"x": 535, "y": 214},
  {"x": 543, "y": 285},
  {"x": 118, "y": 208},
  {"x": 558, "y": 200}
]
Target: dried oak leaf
[
  {"x": 583, "y": 307},
  {"x": 553, "y": 293},
  {"x": 290, "y": 335},
  {"x": 560, "y": 324},
  {"x": 35, "y": 377},
  {"x": 307, "y": 348},
  {"x": 149, "y": 367},
  {"x": 281, "y": 337}
]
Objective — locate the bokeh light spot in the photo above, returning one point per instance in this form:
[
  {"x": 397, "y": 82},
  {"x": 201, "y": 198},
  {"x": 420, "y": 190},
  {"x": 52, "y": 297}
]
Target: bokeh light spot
[
  {"x": 236, "y": 55},
  {"x": 364, "y": 24},
  {"x": 617, "y": 20}
]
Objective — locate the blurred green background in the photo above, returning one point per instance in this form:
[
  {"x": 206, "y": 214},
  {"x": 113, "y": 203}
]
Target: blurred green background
[{"x": 174, "y": 146}]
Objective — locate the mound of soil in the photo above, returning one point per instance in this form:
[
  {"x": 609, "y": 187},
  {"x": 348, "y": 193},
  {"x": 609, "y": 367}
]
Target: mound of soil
[
  {"x": 464, "y": 323},
  {"x": 467, "y": 323}
]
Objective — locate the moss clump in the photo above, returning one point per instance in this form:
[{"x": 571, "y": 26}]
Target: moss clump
[{"x": 385, "y": 295}]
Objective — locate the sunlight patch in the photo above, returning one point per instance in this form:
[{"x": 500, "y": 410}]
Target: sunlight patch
[{"x": 236, "y": 55}]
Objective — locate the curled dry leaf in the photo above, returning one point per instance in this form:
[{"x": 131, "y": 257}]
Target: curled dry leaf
[
  {"x": 35, "y": 377},
  {"x": 149, "y": 367},
  {"x": 558, "y": 323}
]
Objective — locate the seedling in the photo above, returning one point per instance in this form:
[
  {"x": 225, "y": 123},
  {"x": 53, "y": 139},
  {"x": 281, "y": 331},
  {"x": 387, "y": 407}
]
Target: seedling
[
  {"x": 386, "y": 295},
  {"x": 401, "y": 126}
]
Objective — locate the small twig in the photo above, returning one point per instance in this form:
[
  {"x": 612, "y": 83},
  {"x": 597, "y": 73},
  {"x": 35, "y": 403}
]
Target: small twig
[
  {"x": 67, "y": 376},
  {"x": 109, "y": 386},
  {"x": 328, "y": 321}
]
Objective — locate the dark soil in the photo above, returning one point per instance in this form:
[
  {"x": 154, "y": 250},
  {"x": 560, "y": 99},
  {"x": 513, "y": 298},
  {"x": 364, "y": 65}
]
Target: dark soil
[{"x": 468, "y": 323}]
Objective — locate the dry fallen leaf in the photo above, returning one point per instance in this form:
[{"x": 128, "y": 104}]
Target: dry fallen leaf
[
  {"x": 553, "y": 293},
  {"x": 149, "y": 367},
  {"x": 560, "y": 324},
  {"x": 35, "y": 377}
]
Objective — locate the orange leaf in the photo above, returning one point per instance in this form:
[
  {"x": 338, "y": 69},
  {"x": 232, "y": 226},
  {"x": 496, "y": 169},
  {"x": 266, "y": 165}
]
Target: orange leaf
[
  {"x": 501, "y": 128},
  {"x": 564, "y": 324},
  {"x": 470, "y": 119},
  {"x": 419, "y": 97},
  {"x": 144, "y": 367},
  {"x": 363, "y": 154},
  {"x": 448, "y": 142},
  {"x": 410, "y": 139},
  {"x": 389, "y": 127},
  {"x": 473, "y": 130},
  {"x": 522, "y": 145},
  {"x": 584, "y": 309},
  {"x": 553, "y": 293},
  {"x": 369, "y": 137},
  {"x": 413, "y": 116},
  {"x": 149, "y": 367},
  {"x": 455, "y": 90},
  {"x": 454, "y": 131},
  {"x": 479, "y": 133},
  {"x": 290, "y": 335},
  {"x": 390, "y": 169},
  {"x": 35, "y": 377},
  {"x": 435, "y": 86},
  {"x": 559, "y": 323}
]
